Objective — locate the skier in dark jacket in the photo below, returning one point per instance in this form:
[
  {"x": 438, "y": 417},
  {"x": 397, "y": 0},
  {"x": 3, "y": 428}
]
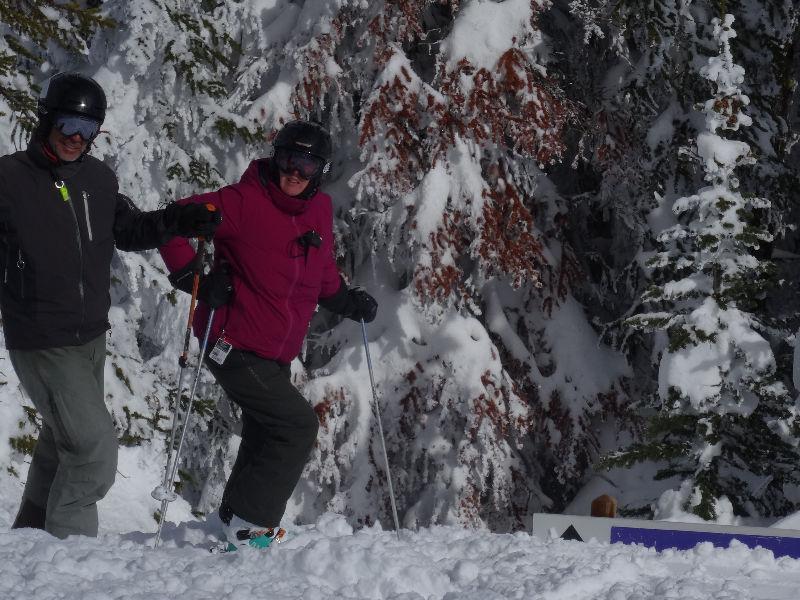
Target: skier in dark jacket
[
  {"x": 274, "y": 258},
  {"x": 61, "y": 215}
]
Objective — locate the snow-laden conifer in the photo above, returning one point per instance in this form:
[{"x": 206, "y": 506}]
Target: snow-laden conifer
[
  {"x": 490, "y": 418},
  {"x": 723, "y": 412}
]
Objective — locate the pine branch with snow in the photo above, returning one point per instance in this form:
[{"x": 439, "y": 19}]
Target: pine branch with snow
[{"x": 27, "y": 30}]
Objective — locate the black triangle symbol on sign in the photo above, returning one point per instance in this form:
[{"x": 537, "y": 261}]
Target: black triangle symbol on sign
[{"x": 571, "y": 534}]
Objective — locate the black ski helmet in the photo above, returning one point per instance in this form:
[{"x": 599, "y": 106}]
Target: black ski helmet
[
  {"x": 310, "y": 138},
  {"x": 306, "y": 136},
  {"x": 72, "y": 93}
]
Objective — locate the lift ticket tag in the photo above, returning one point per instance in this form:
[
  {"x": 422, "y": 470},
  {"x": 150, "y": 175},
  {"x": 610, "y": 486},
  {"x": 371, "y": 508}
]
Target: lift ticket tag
[{"x": 220, "y": 351}]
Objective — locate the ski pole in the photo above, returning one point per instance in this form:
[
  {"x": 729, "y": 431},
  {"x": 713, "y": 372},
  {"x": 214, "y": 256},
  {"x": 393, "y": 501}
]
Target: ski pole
[
  {"x": 183, "y": 361},
  {"x": 380, "y": 429},
  {"x": 164, "y": 492}
]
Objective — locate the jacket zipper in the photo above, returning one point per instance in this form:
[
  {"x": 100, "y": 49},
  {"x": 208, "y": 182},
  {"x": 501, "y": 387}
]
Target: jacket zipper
[
  {"x": 288, "y": 299},
  {"x": 86, "y": 210},
  {"x": 62, "y": 188}
]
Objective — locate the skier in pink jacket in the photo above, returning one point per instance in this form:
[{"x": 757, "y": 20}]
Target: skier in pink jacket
[{"x": 273, "y": 263}]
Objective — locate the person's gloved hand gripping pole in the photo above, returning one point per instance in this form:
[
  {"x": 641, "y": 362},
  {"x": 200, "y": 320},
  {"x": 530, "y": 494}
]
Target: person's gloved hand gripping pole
[
  {"x": 216, "y": 287},
  {"x": 192, "y": 220},
  {"x": 353, "y": 303}
]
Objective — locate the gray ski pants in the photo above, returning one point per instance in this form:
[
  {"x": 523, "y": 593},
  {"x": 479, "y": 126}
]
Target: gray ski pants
[{"x": 75, "y": 460}]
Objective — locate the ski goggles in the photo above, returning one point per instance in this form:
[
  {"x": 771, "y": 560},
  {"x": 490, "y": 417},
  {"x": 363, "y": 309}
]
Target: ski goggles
[
  {"x": 69, "y": 125},
  {"x": 306, "y": 165}
]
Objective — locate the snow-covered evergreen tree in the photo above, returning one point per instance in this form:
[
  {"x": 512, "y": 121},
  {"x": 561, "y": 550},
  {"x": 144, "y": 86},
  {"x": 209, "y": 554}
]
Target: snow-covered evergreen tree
[
  {"x": 725, "y": 420},
  {"x": 462, "y": 230}
]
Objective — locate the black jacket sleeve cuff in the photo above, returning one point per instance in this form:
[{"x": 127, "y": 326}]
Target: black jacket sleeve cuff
[
  {"x": 339, "y": 303},
  {"x": 137, "y": 230}
]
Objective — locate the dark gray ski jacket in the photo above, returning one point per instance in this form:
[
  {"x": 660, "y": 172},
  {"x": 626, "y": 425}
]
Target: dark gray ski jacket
[{"x": 56, "y": 247}]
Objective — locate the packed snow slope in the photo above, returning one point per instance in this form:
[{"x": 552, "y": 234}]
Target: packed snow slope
[{"x": 329, "y": 560}]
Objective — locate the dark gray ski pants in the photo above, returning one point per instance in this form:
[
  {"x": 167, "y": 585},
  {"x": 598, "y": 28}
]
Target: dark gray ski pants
[
  {"x": 75, "y": 459},
  {"x": 279, "y": 428}
]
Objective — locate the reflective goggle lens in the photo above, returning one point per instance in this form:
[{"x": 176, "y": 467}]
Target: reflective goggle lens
[
  {"x": 69, "y": 125},
  {"x": 307, "y": 166}
]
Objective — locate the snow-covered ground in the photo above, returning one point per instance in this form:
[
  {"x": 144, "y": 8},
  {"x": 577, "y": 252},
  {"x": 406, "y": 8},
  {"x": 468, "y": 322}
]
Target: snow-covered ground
[{"x": 329, "y": 560}]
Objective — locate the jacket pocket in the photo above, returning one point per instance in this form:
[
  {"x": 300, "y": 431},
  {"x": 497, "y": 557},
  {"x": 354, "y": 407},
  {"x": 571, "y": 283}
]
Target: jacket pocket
[{"x": 14, "y": 272}]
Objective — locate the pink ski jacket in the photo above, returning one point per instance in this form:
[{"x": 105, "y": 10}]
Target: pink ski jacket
[{"x": 277, "y": 279}]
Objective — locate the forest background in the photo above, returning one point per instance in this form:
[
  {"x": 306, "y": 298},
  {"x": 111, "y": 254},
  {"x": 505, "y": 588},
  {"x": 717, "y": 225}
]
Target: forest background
[{"x": 578, "y": 218}]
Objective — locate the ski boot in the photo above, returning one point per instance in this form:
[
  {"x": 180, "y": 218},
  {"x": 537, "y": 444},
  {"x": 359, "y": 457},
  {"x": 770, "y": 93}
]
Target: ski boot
[{"x": 241, "y": 534}]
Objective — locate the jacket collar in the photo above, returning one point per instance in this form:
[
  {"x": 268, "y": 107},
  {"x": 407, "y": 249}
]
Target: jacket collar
[
  {"x": 259, "y": 171},
  {"x": 42, "y": 156}
]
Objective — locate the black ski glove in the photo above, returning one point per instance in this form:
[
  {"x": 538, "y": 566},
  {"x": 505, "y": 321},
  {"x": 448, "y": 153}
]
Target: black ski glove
[
  {"x": 216, "y": 287},
  {"x": 360, "y": 305},
  {"x": 192, "y": 220}
]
